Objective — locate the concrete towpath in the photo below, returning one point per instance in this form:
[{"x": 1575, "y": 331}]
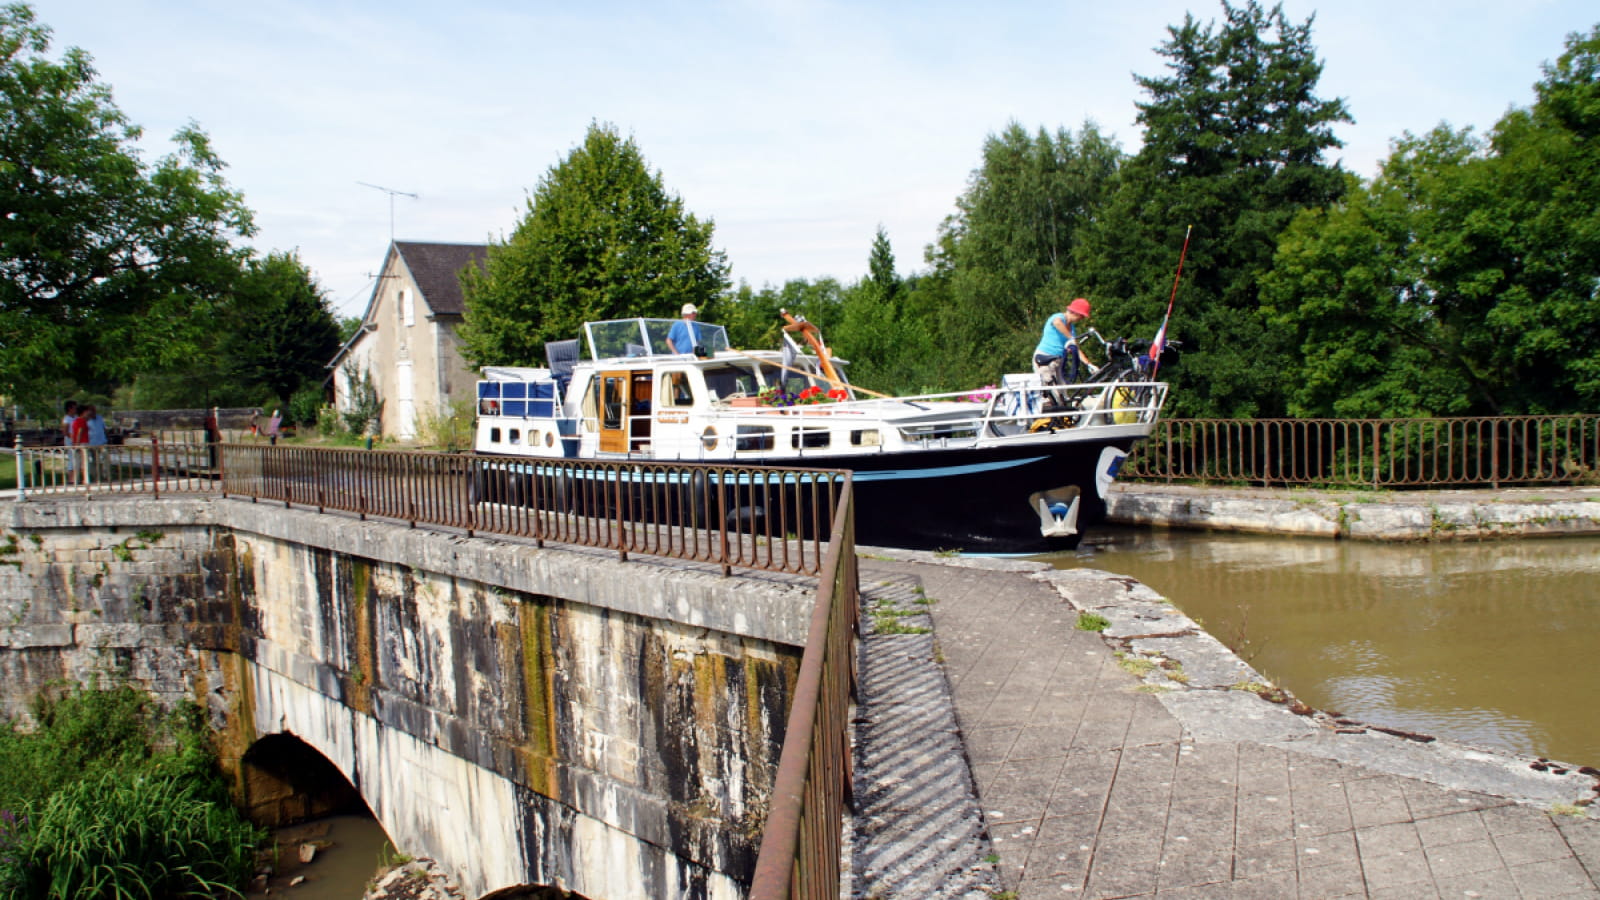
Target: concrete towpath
[{"x": 1122, "y": 765}]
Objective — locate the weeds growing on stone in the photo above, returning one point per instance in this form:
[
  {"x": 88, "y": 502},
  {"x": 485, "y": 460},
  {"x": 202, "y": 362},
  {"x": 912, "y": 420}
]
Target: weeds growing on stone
[
  {"x": 1088, "y": 621},
  {"x": 1137, "y": 665}
]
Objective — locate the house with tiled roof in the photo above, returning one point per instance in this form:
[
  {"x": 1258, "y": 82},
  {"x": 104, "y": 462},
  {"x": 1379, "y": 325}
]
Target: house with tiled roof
[{"x": 408, "y": 341}]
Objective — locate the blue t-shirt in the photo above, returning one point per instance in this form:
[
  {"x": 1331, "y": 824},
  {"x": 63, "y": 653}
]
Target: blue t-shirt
[
  {"x": 97, "y": 431},
  {"x": 682, "y": 336},
  {"x": 1053, "y": 342}
]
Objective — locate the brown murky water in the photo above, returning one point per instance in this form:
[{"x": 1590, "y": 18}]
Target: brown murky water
[
  {"x": 1491, "y": 643},
  {"x": 353, "y": 850}
]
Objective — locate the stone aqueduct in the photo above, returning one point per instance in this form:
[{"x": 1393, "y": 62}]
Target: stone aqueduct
[{"x": 524, "y": 716}]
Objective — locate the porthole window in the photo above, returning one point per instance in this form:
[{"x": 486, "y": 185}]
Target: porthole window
[
  {"x": 494, "y": 435},
  {"x": 708, "y": 438}
]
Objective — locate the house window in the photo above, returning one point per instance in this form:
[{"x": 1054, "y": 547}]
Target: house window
[{"x": 408, "y": 306}]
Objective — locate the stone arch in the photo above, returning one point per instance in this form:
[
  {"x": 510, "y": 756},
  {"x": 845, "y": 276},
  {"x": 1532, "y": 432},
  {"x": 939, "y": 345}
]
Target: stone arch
[{"x": 284, "y": 781}]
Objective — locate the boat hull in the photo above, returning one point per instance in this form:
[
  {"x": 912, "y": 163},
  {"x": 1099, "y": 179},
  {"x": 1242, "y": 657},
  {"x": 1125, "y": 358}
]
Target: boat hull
[
  {"x": 981, "y": 500},
  {"x": 975, "y": 500}
]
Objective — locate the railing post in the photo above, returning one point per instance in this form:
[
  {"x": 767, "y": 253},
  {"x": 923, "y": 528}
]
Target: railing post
[
  {"x": 22, "y": 481},
  {"x": 616, "y": 519},
  {"x": 155, "y": 464},
  {"x": 1494, "y": 453},
  {"x": 722, "y": 523},
  {"x": 1377, "y": 429},
  {"x": 1266, "y": 454}
]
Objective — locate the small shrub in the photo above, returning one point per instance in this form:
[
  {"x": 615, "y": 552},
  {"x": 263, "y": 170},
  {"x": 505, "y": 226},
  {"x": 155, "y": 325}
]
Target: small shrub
[
  {"x": 366, "y": 408},
  {"x": 305, "y": 405},
  {"x": 1092, "y": 622},
  {"x": 450, "y": 430},
  {"x": 329, "y": 423}
]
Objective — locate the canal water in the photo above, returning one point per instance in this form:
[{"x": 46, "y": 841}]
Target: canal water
[
  {"x": 1491, "y": 643},
  {"x": 351, "y": 851}
]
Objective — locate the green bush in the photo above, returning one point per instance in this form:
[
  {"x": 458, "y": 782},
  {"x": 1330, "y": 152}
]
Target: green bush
[
  {"x": 329, "y": 423},
  {"x": 132, "y": 834},
  {"x": 304, "y": 406},
  {"x": 111, "y": 796}
]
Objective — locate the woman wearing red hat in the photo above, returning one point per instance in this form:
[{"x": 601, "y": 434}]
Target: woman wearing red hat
[{"x": 1059, "y": 344}]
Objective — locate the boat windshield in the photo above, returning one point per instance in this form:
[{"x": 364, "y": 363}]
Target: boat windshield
[
  {"x": 725, "y": 381},
  {"x": 622, "y": 338}
]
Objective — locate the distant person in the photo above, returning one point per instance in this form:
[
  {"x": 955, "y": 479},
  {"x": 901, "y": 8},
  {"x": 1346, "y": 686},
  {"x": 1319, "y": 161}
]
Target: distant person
[
  {"x": 684, "y": 336},
  {"x": 94, "y": 436},
  {"x": 1057, "y": 358},
  {"x": 255, "y": 427},
  {"x": 69, "y": 413},
  {"x": 272, "y": 427},
  {"x": 78, "y": 436},
  {"x": 95, "y": 426}
]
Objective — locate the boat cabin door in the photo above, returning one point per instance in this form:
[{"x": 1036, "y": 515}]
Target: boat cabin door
[{"x": 624, "y": 411}]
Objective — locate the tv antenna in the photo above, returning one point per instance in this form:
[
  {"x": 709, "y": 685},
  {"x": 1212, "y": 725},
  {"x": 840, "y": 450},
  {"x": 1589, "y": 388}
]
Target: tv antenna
[{"x": 392, "y": 194}]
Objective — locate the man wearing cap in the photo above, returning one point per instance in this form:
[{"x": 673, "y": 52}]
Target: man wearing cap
[
  {"x": 683, "y": 337},
  {"x": 1060, "y": 344}
]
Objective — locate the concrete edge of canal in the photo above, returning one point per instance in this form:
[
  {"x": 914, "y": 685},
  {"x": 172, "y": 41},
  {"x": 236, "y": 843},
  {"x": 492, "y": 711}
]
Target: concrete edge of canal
[
  {"x": 1384, "y": 515},
  {"x": 1217, "y": 696}
]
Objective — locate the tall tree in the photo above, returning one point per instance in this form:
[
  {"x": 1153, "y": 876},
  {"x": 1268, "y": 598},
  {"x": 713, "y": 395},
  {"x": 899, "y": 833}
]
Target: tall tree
[
  {"x": 875, "y": 333},
  {"x": 602, "y": 238},
  {"x": 108, "y": 265},
  {"x": 283, "y": 332},
  {"x": 1462, "y": 280},
  {"x": 1008, "y": 249},
  {"x": 1234, "y": 144}
]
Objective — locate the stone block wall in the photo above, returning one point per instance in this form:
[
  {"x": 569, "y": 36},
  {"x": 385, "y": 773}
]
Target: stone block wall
[{"x": 523, "y": 715}]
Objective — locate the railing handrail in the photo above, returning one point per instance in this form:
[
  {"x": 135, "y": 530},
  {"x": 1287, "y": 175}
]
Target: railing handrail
[
  {"x": 1437, "y": 451},
  {"x": 800, "y": 846}
]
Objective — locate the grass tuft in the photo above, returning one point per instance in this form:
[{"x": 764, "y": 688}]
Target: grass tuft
[{"x": 1092, "y": 622}]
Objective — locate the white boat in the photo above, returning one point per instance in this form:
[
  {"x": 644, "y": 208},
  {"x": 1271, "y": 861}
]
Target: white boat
[{"x": 1003, "y": 469}]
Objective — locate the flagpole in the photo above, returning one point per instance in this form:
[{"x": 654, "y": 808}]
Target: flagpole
[{"x": 1161, "y": 335}]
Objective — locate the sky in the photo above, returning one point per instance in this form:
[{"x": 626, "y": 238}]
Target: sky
[{"x": 798, "y": 126}]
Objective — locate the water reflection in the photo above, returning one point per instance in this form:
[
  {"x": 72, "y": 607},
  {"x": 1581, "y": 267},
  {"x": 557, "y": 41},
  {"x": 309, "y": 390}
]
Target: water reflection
[{"x": 1485, "y": 642}]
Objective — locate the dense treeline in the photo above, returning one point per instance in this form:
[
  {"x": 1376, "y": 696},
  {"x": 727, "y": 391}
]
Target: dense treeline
[{"x": 1461, "y": 280}]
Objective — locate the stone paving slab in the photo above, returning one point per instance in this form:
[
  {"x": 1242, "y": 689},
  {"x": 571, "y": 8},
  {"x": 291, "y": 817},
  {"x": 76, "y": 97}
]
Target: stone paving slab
[{"x": 1101, "y": 775}]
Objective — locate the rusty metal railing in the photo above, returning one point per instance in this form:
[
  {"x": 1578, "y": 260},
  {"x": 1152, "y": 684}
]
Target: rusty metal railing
[
  {"x": 1442, "y": 452},
  {"x": 750, "y": 517},
  {"x": 800, "y": 848},
  {"x": 137, "y": 467}
]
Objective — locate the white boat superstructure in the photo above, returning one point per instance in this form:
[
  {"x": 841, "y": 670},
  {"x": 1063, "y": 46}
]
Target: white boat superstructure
[
  {"x": 1012, "y": 467},
  {"x": 738, "y": 405}
]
